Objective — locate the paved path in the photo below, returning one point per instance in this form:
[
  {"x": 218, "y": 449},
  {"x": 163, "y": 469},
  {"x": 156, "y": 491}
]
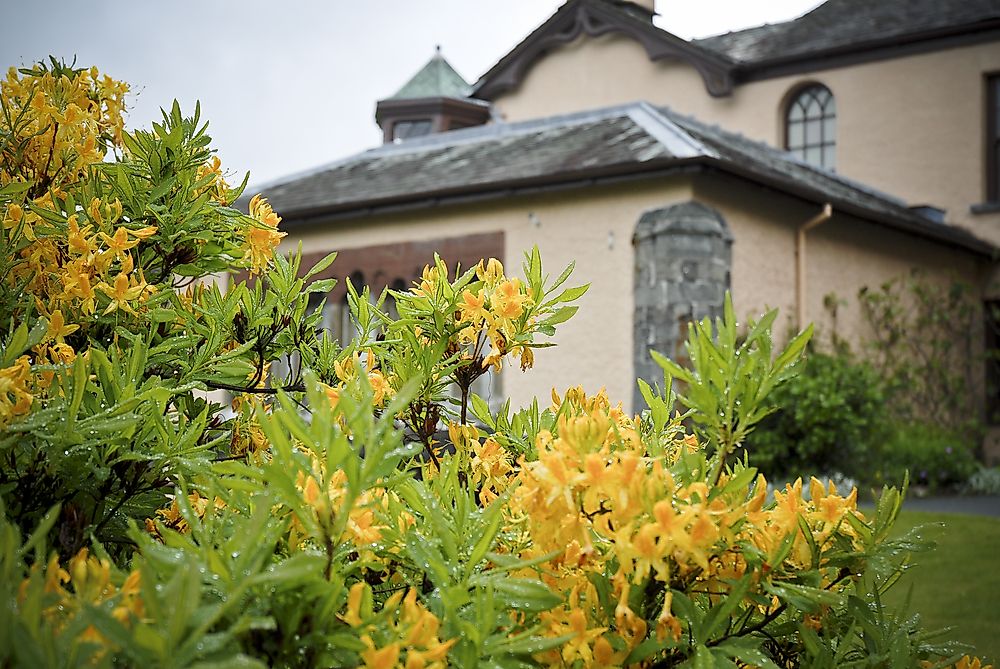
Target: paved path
[{"x": 980, "y": 505}]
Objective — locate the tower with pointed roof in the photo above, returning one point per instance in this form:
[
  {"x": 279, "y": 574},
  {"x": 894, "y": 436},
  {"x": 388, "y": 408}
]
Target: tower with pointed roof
[{"x": 435, "y": 99}]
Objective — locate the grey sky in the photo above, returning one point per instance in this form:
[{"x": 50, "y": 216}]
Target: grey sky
[{"x": 291, "y": 84}]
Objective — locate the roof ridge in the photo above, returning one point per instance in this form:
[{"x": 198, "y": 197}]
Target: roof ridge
[{"x": 674, "y": 138}]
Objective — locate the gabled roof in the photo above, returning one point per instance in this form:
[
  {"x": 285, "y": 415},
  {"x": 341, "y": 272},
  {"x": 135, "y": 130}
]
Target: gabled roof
[
  {"x": 436, "y": 79},
  {"x": 839, "y": 26},
  {"x": 626, "y": 141},
  {"x": 595, "y": 18}
]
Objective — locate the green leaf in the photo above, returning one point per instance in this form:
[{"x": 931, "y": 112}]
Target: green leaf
[{"x": 523, "y": 594}]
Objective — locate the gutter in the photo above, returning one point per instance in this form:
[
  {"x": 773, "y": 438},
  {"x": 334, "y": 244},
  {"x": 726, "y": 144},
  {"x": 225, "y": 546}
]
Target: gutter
[{"x": 800, "y": 261}]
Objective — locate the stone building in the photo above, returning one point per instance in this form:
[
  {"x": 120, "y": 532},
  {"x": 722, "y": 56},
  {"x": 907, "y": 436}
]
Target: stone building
[{"x": 784, "y": 163}]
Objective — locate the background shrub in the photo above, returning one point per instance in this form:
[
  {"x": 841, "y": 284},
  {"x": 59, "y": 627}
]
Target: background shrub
[
  {"x": 831, "y": 420},
  {"x": 937, "y": 459}
]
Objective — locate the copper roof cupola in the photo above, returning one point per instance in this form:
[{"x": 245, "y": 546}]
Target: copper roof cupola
[{"x": 436, "y": 99}]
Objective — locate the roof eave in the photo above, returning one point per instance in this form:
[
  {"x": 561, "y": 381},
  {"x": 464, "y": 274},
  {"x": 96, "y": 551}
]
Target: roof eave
[
  {"x": 496, "y": 189},
  {"x": 907, "y": 223}
]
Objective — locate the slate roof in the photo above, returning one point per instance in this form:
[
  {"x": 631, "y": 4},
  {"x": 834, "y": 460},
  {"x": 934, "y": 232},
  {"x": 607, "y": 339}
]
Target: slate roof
[
  {"x": 630, "y": 140},
  {"x": 852, "y": 25},
  {"x": 435, "y": 79}
]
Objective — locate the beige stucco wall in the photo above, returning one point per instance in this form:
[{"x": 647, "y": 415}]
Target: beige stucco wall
[
  {"x": 912, "y": 126},
  {"x": 842, "y": 255},
  {"x": 592, "y": 227}
]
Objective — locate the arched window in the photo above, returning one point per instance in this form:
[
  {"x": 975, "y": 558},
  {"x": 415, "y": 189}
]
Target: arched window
[{"x": 811, "y": 126}]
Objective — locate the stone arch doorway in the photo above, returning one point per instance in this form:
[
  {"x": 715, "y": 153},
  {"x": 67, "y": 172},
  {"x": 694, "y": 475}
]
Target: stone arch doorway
[{"x": 683, "y": 260}]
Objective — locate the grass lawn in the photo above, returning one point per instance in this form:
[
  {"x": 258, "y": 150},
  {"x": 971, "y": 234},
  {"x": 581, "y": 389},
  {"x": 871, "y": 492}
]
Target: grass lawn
[{"x": 958, "y": 583}]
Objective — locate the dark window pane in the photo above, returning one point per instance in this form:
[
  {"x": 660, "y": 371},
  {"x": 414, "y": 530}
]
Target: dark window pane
[
  {"x": 813, "y": 110},
  {"x": 813, "y": 132},
  {"x": 796, "y": 135},
  {"x": 829, "y": 130},
  {"x": 814, "y": 155},
  {"x": 408, "y": 129}
]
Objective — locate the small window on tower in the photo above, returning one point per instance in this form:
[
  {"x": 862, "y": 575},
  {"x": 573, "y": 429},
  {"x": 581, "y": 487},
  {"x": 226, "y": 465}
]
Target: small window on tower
[{"x": 408, "y": 129}]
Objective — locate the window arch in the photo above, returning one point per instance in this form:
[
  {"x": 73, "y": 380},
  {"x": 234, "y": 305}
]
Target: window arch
[{"x": 811, "y": 126}]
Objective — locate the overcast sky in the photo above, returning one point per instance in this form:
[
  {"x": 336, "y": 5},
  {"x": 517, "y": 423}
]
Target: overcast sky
[{"x": 290, "y": 84}]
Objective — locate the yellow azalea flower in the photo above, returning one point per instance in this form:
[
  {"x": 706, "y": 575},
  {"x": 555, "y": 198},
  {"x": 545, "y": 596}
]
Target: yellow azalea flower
[
  {"x": 55, "y": 576},
  {"x": 383, "y": 658},
  {"x": 14, "y": 218},
  {"x": 380, "y": 387},
  {"x": 261, "y": 238},
  {"x": 58, "y": 328},
  {"x": 472, "y": 307},
  {"x": 144, "y": 233},
  {"x": 508, "y": 301},
  {"x": 489, "y": 271},
  {"x": 119, "y": 242},
  {"x": 527, "y": 356},
  {"x": 332, "y": 395},
  {"x": 261, "y": 211},
  {"x": 666, "y": 622},
  {"x": 80, "y": 240},
  {"x": 494, "y": 359},
  {"x": 346, "y": 369},
  {"x": 463, "y": 436},
  {"x": 121, "y": 294},
  {"x": 15, "y": 399},
  {"x": 429, "y": 280},
  {"x": 355, "y": 597},
  {"x": 259, "y": 247}
]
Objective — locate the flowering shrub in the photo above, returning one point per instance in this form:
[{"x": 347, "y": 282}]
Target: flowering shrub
[{"x": 327, "y": 522}]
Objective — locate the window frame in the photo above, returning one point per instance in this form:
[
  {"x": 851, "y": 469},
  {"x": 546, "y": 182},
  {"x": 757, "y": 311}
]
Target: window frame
[{"x": 799, "y": 97}]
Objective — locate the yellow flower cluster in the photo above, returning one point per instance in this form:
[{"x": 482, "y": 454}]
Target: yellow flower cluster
[
  {"x": 964, "y": 662},
  {"x": 347, "y": 370},
  {"x": 366, "y": 516},
  {"x": 495, "y": 311},
  {"x": 490, "y": 465},
  {"x": 172, "y": 518},
  {"x": 67, "y": 272},
  {"x": 216, "y": 185},
  {"x": 91, "y": 584},
  {"x": 492, "y": 310},
  {"x": 402, "y": 635},
  {"x": 69, "y": 263},
  {"x": 261, "y": 239},
  {"x": 65, "y": 124},
  {"x": 602, "y": 504}
]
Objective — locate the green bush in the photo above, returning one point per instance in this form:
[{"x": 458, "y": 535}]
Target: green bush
[
  {"x": 830, "y": 420},
  {"x": 142, "y": 525},
  {"x": 936, "y": 458}
]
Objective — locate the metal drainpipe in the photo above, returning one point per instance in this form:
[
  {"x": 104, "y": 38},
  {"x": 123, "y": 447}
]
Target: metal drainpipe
[{"x": 800, "y": 261}]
